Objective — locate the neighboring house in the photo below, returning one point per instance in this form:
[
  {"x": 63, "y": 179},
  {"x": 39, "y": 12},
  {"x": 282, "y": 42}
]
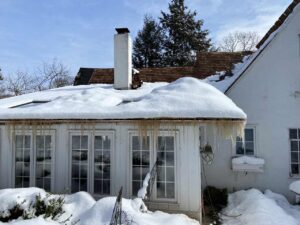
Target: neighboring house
[
  {"x": 267, "y": 88},
  {"x": 100, "y": 137}
]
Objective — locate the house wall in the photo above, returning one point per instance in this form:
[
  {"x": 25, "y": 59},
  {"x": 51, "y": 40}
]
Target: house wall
[
  {"x": 187, "y": 160},
  {"x": 268, "y": 92}
]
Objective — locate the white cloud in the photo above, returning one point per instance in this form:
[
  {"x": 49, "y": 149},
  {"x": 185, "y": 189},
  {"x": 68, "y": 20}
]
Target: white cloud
[
  {"x": 152, "y": 7},
  {"x": 263, "y": 15}
]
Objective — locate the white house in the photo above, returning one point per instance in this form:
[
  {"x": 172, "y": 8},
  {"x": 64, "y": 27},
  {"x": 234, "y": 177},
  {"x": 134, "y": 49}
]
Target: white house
[
  {"x": 100, "y": 137},
  {"x": 267, "y": 88}
]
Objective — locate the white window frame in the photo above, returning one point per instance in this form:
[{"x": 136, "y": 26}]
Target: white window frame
[
  {"x": 255, "y": 151},
  {"x": 32, "y": 178},
  {"x": 90, "y": 176},
  {"x": 294, "y": 175},
  {"x": 153, "y": 156}
]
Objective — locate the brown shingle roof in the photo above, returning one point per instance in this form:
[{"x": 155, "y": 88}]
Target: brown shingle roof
[
  {"x": 279, "y": 22},
  {"x": 207, "y": 63}
]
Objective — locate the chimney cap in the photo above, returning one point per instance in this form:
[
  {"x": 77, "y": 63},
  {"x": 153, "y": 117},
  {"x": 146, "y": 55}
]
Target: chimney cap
[{"x": 123, "y": 30}]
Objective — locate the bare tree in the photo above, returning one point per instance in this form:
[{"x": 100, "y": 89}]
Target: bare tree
[
  {"x": 19, "y": 83},
  {"x": 239, "y": 41},
  {"x": 47, "y": 76},
  {"x": 52, "y": 75}
]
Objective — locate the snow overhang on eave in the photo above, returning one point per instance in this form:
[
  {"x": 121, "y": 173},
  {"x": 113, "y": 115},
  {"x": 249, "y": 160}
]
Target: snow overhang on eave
[{"x": 60, "y": 121}]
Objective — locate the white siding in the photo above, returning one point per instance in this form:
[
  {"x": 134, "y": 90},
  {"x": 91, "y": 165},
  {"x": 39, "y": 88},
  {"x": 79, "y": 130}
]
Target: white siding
[
  {"x": 187, "y": 156},
  {"x": 267, "y": 92}
]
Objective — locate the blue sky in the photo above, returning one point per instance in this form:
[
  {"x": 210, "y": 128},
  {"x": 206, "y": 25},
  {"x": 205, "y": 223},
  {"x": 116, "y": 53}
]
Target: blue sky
[{"x": 79, "y": 33}]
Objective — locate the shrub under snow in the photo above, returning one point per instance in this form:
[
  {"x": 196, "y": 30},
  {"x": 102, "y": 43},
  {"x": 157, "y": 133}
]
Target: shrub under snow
[
  {"x": 36, "y": 207},
  {"x": 252, "y": 207}
]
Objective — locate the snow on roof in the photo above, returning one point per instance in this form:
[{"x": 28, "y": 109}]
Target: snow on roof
[
  {"x": 239, "y": 68},
  {"x": 183, "y": 99}
]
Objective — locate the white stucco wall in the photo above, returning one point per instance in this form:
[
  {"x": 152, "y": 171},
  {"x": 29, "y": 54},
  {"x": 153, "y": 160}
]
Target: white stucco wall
[
  {"x": 266, "y": 92},
  {"x": 188, "y": 167}
]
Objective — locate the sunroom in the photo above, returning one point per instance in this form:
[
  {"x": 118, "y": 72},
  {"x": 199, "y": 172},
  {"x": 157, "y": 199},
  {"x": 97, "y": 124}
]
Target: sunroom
[{"x": 97, "y": 139}]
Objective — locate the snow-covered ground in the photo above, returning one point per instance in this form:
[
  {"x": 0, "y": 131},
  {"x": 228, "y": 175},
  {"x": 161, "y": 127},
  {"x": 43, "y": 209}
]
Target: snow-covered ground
[
  {"x": 82, "y": 209},
  {"x": 253, "y": 207}
]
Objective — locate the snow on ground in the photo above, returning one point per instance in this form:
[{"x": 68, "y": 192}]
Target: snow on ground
[
  {"x": 184, "y": 98},
  {"x": 252, "y": 207},
  {"x": 86, "y": 210}
]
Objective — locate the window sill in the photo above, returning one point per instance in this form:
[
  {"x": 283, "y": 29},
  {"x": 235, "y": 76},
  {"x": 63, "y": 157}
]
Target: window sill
[
  {"x": 248, "y": 164},
  {"x": 159, "y": 205}
]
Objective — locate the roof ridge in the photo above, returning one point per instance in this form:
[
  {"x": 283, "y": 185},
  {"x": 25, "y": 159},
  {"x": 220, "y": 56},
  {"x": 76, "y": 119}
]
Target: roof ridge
[{"x": 279, "y": 22}]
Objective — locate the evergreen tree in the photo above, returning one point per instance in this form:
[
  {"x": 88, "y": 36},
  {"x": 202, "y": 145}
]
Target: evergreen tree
[
  {"x": 148, "y": 45},
  {"x": 185, "y": 35}
]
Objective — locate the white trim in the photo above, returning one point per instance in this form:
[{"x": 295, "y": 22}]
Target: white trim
[
  {"x": 91, "y": 133},
  {"x": 255, "y": 141},
  {"x": 291, "y": 175},
  {"x": 153, "y": 156},
  {"x": 33, "y": 134}
]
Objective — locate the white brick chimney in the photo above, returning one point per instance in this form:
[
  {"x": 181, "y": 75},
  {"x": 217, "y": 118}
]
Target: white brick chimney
[{"x": 122, "y": 59}]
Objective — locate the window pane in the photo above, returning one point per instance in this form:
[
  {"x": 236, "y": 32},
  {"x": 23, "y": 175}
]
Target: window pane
[
  {"x": 75, "y": 142},
  {"x": 140, "y": 161},
  {"x": 170, "y": 177},
  {"x": 106, "y": 172},
  {"x": 19, "y": 141},
  {"x": 165, "y": 169},
  {"x": 246, "y": 147},
  {"x": 27, "y": 141},
  {"x": 136, "y": 173},
  {"x": 22, "y": 160},
  {"x": 98, "y": 142},
  {"x": 249, "y": 148},
  {"x": 170, "y": 158},
  {"x": 102, "y": 165},
  {"x": 75, "y": 170},
  {"x": 294, "y": 157},
  {"x": 83, "y": 171},
  {"x": 161, "y": 158},
  {"x": 98, "y": 187},
  {"x": 145, "y": 158},
  {"x": 83, "y": 184},
  {"x": 48, "y": 142},
  {"x": 43, "y": 162},
  {"x": 106, "y": 157},
  {"x": 75, "y": 185},
  {"x": 169, "y": 143},
  {"x": 294, "y": 146},
  {"x": 40, "y": 142},
  {"x": 84, "y": 142},
  {"x": 136, "y": 158},
  {"x": 136, "y": 143},
  {"x": 293, "y": 134},
  {"x": 249, "y": 135},
  {"x": 106, "y": 187},
  {"x": 136, "y": 185},
  {"x": 161, "y": 175},
  {"x": 295, "y": 168},
  {"x": 106, "y": 143},
  {"x": 79, "y": 163},
  {"x": 161, "y": 143},
  {"x": 146, "y": 143},
  {"x": 161, "y": 190},
  {"x": 170, "y": 190}
]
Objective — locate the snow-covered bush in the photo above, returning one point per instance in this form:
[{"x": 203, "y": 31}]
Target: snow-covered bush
[{"x": 48, "y": 207}]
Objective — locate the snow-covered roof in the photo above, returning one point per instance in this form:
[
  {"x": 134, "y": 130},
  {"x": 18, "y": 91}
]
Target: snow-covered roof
[
  {"x": 224, "y": 82},
  {"x": 186, "y": 98}
]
